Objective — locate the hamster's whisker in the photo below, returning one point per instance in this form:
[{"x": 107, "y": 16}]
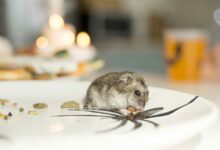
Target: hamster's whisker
[
  {"x": 81, "y": 116},
  {"x": 113, "y": 111},
  {"x": 172, "y": 111},
  {"x": 154, "y": 123},
  {"x": 96, "y": 111},
  {"x": 105, "y": 112},
  {"x": 105, "y": 118},
  {"x": 122, "y": 123},
  {"x": 116, "y": 115},
  {"x": 151, "y": 111}
]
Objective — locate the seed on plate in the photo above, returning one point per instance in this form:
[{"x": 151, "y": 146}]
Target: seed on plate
[
  {"x": 4, "y": 102},
  {"x": 2, "y": 115},
  {"x": 131, "y": 109},
  {"x": 136, "y": 112},
  {"x": 40, "y": 105},
  {"x": 14, "y": 104},
  {"x": 131, "y": 116},
  {"x": 70, "y": 104},
  {"x": 10, "y": 114},
  {"x": 5, "y": 117},
  {"x": 21, "y": 109},
  {"x": 33, "y": 112}
]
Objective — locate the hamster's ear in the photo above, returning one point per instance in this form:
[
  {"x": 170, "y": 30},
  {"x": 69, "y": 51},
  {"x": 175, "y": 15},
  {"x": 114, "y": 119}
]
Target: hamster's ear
[{"x": 126, "y": 78}]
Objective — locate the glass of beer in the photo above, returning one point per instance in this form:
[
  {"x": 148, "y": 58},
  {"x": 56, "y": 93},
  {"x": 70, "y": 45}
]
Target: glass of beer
[{"x": 184, "y": 52}]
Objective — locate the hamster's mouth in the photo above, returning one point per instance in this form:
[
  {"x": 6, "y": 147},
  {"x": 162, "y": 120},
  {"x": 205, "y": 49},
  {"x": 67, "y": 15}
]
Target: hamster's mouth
[{"x": 133, "y": 109}]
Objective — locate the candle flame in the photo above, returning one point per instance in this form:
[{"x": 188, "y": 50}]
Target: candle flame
[
  {"x": 42, "y": 42},
  {"x": 83, "y": 39},
  {"x": 56, "y": 21}
]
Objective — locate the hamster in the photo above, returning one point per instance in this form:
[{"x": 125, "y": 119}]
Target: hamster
[{"x": 117, "y": 91}]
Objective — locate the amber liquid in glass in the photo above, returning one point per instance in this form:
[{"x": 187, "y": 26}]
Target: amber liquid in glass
[{"x": 183, "y": 57}]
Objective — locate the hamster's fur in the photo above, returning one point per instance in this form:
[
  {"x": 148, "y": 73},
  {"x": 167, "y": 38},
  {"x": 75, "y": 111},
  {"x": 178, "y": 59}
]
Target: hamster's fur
[{"x": 117, "y": 90}]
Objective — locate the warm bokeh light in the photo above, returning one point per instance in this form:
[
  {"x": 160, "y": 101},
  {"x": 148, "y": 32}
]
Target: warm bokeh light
[
  {"x": 83, "y": 39},
  {"x": 69, "y": 37},
  {"x": 42, "y": 42},
  {"x": 56, "y": 21}
]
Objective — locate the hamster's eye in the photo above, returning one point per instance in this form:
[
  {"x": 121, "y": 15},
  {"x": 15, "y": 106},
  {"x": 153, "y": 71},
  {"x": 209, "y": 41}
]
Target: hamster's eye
[{"x": 137, "y": 92}]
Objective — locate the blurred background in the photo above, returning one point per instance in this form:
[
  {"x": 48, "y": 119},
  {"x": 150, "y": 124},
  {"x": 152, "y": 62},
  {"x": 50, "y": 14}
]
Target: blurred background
[{"x": 148, "y": 36}]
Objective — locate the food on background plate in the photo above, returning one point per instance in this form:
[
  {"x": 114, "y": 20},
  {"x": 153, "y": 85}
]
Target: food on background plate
[
  {"x": 43, "y": 68},
  {"x": 14, "y": 74},
  {"x": 33, "y": 67}
]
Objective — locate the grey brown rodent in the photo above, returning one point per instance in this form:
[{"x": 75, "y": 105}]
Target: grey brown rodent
[{"x": 117, "y": 90}]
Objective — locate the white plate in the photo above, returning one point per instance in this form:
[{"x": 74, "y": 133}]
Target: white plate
[{"x": 24, "y": 131}]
